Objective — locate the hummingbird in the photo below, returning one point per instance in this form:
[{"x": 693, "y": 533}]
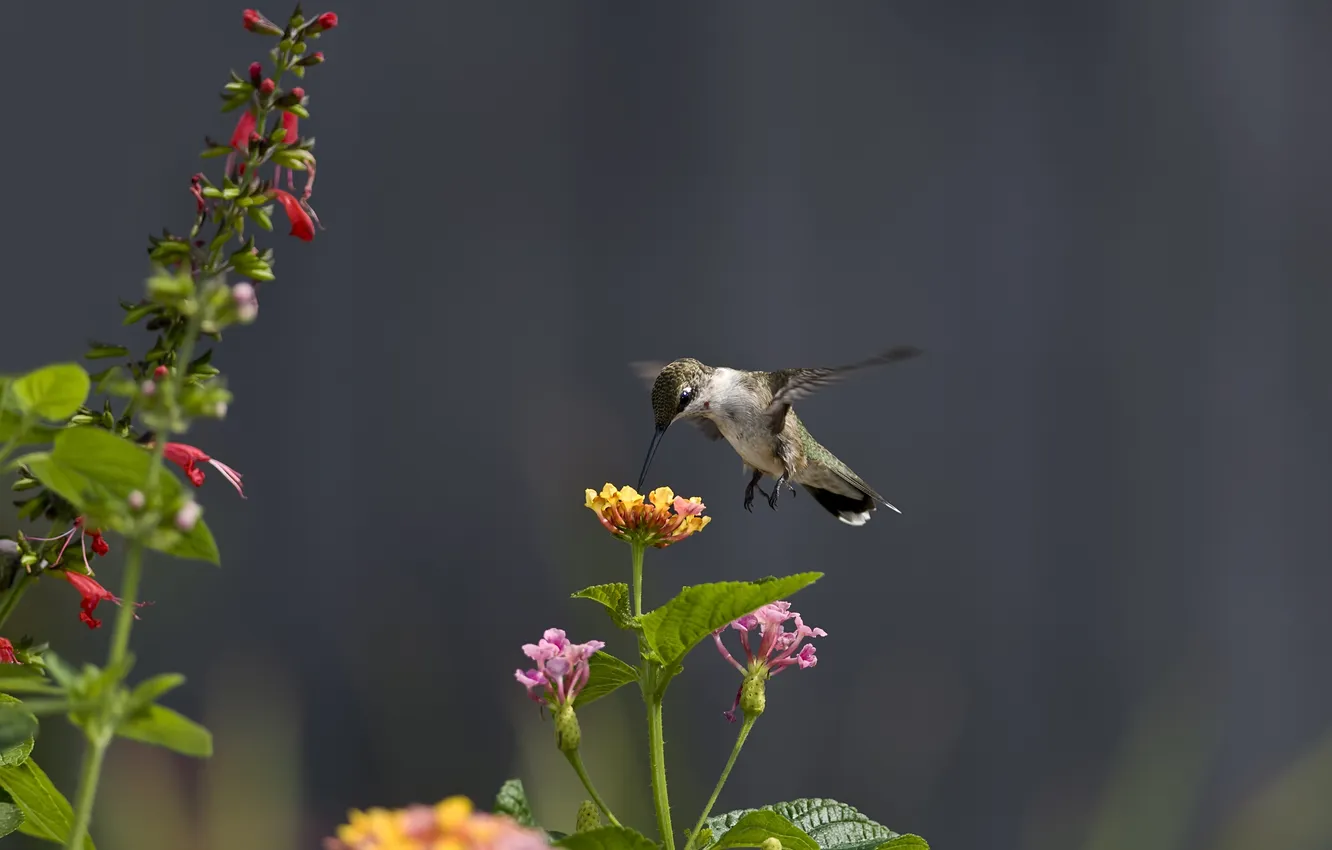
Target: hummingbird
[{"x": 752, "y": 411}]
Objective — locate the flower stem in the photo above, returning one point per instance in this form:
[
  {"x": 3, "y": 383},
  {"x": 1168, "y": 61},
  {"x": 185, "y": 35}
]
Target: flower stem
[
  {"x": 106, "y": 720},
  {"x": 99, "y": 738},
  {"x": 657, "y": 756},
  {"x": 93, "y": 753},
  {"x": 576, "y": 761},
  {"x": 637, "y": 549},
  {"x": 726, "y": 772},
  {"x": 12, "y": 595}
]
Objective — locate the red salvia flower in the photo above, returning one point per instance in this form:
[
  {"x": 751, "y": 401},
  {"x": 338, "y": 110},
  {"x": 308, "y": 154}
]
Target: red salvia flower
[
  {"x": 7, "y": 655},
  {"x": 298, "y": 213},
  {"x": 254, "y": 21},
  {"x": 196, "y": 189},
  {"x": 188, "y": 458},
  {"x": 326, "y": 21},
  {"x": 92, "y": 593},
  {"x": 99, "y": 544}
]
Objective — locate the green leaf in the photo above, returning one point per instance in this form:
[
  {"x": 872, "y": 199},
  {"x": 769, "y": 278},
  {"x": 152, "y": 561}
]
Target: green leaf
[
  {"x": 24, "y": 679},
  {"x": 15, "y": 752},
  {"x": 12, "y": 427},
  {"x": 606, "y": 674},
  {"x": 616, "y": 599},
  {"x": 46, "y": 812},
  {"x": 753, "y": 829},
  {"x": 512, "y": 801},
  {"x": 678, "y": 626},
  {"x": 90, "y": 466},
  {"x": 52, "y": 392},
  {"x": 163, "y": 727},
  {"x": 832, "y": 825},
  {"x": 607, "y": 838},
  {"x": 149, "y": 690},
  {"x": 17, "y": 727},
  {"x": 100, "y": 350},
  {"x": 11, "y": 816},
  {"x": 905, "y": 842}
]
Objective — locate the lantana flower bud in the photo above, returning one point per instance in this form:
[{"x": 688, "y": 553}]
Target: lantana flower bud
[{"x": 589, "y": 817}]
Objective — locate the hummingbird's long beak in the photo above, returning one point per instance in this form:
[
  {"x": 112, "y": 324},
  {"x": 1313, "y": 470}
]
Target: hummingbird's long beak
[{"x": 652, "y": 450}]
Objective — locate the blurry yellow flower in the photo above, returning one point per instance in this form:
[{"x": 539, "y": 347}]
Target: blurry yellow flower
[
  {"x": 665, "y": 519},
  {"x": 449, "y": 825}
]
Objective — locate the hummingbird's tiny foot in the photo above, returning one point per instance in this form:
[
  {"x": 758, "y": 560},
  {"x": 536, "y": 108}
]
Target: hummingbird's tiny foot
[{"x": 749, "y": 491}]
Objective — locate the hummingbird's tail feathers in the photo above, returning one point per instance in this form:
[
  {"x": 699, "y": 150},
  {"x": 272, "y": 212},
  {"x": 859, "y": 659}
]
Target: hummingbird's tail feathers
[{"x": 850, "y": 510}]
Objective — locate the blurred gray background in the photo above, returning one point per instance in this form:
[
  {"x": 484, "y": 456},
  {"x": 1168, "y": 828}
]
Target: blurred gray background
[{"x": 1100, "y": 622}]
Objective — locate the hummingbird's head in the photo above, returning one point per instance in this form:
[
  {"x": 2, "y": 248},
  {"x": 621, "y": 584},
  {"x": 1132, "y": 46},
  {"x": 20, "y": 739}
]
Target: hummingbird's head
[{"x": 673, "y": 392}]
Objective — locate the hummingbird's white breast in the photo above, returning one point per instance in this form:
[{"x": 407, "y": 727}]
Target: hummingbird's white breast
[{"x": 731, "y": 404}]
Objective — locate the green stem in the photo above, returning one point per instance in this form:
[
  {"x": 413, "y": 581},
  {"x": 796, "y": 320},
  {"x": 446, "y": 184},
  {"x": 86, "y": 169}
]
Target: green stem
[
  {"x": 638, "y": 549},
  {"x": 105, "y": 721},
  {"x": 129, "y": 593},
  {"x": 576, "y": 761},
  {"x": 726, "y": 772},
  {"x": 89, "y": 773},
  {"x": 12, "y": 595},
  {"x": 657, "y": 756}
]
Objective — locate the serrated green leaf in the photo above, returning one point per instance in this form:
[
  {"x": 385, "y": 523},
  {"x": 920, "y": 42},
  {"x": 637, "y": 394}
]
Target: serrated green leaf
[
  {"x": 679, "y": 625},
  {"x": 832, "y": 825},
  {"x": 607, "y": 838},
  {"x": 905, "y": 842},
  {"x": 752, "y": 829},
  {"x": 160, "y": 726},
  {"x": 46, "y": 812},
  {"x": 16, "y": 752},
  {"x": 52, "y": 392},
  {"x": 89, "y": 466},
  {"x": 606, "y": 673},
  {"x": 512, "y": 801},
  {"x": 11, "y": 816},
  {"x": 615, "y": 597}
]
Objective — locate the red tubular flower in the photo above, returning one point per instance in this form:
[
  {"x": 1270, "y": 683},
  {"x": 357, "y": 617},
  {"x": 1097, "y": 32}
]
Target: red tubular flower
[
  {"x": 99, "y": 544},
  {"x": 302, "y": 225},
  {"x": 240, "y": 137},
  {"x": 254, "y": 21},
  {"x": 256, "y": 73},
  {"x": 92, "y": 593},
  {"x": 7, "y": 655},
  {"x": 326, "y": 21},
  {"x": 187, "y": 458}
]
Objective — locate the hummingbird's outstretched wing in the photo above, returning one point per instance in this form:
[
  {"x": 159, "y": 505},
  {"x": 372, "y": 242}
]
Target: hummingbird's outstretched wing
[
  {"x": 648, "y": 370},
  {"x": 790, "y": 385}
]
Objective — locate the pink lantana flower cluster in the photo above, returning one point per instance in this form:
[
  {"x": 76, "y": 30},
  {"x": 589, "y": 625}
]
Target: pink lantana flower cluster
[
  {"x": 776, "y": 649},
  {"x": 561, "y": 667}
]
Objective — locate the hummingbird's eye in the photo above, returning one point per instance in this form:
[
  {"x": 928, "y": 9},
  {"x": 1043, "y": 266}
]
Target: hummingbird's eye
[{"x": 685, "y": 395}]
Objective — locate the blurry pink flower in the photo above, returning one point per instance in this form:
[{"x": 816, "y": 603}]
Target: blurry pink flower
[{"x": 561, "y": 667}]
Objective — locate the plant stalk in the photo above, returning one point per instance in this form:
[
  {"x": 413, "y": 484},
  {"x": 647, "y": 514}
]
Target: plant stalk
[
  {"x": 576, "y": 761},
  {"x": 657, "y": 756},
  {"x": 726, "y": 772}
]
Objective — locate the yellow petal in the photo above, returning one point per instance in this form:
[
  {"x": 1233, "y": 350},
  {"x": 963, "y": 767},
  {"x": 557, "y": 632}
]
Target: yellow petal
[
  {"x": 447, "y": 844},
  {"x": 630, "y": 496},
  {"x": 662, "y": 498},
  {"x": 453, "y": 813},
  {"x": 610, "y": 494}
]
